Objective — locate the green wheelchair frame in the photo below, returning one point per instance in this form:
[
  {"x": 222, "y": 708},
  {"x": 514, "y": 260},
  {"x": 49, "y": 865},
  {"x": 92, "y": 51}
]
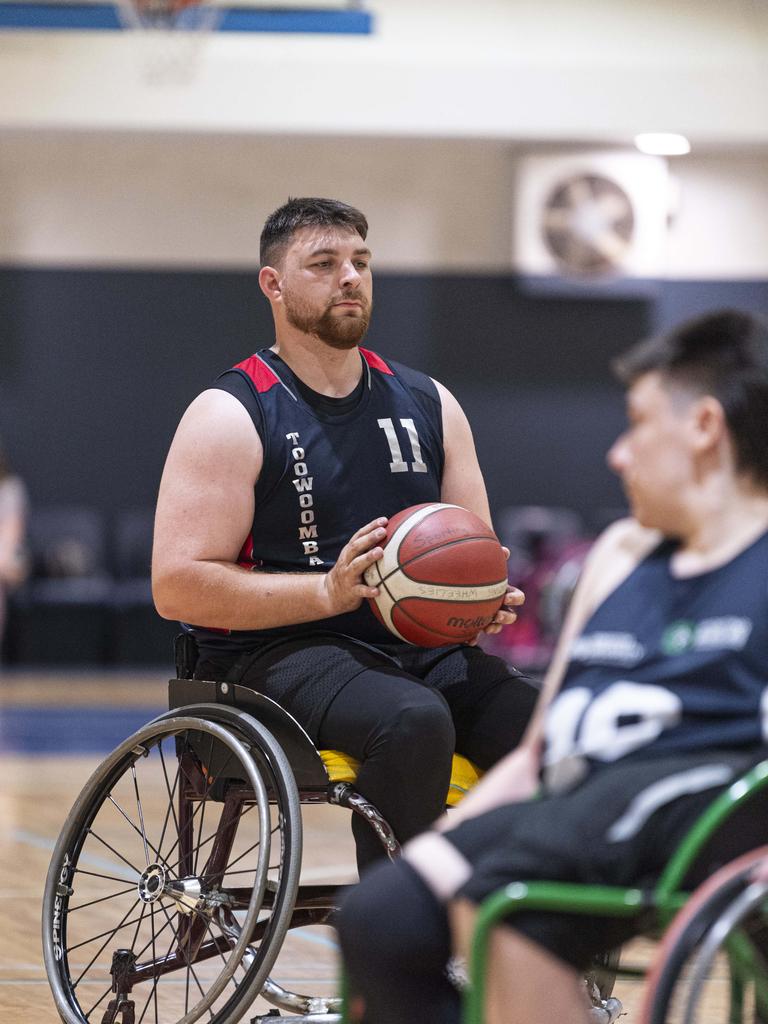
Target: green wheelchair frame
[{"x": 660, "y": 904}]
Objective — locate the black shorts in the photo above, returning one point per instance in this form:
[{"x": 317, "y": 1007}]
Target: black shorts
[
  {"x": 306, "y": 673},
  {"x": 619, "y": 827}
]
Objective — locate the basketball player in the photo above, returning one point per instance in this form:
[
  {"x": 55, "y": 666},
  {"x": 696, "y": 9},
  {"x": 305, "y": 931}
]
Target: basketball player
[
  {"x": 273, "y": 503},
  {"x": 663, "y": 671}
]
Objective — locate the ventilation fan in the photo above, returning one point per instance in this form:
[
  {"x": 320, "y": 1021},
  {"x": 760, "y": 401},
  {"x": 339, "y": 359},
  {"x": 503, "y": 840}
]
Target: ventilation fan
[
  {"x": 591, "y": 215},
  {"x": 588, "y": 224}
]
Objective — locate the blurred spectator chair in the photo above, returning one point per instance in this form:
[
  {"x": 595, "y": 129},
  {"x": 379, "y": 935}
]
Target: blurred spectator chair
[
  {"x": 139, "y": 635},
  {"x": 61, "y": 614},
  {"x": 541, "y": 540}
]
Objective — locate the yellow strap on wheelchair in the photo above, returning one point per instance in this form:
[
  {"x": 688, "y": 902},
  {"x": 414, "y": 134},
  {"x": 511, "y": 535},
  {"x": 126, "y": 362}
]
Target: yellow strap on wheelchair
[
  {"x": 340, "y": 767},
  {"x": 464, "y": 774},
  {"x": 343, "y": 768}
]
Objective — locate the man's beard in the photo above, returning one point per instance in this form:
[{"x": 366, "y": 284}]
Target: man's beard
[{"x": 341, "y": 332}]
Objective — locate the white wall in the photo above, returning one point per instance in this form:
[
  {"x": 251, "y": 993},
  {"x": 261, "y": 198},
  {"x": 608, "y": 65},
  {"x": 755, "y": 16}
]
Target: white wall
[
  {"x": 420, "y": 124},
  {"x": 199, "y": 200}
]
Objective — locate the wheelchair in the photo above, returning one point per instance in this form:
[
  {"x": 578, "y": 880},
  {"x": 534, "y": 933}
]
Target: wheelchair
[
  {"x": 175, "y": 878},
  {"x": 712, "y": 963},
  {"x": 715, "y": 952}
]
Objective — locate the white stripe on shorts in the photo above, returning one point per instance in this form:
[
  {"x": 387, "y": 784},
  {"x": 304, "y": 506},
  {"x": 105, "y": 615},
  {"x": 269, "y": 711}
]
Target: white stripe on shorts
[{"x": 649, "y": 800}]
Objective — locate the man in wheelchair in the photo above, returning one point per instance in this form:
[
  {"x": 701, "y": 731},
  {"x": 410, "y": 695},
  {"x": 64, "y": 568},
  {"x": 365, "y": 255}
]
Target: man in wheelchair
[
  {"x": 273, "y": 503},
  {"x": 661, "y": 670}
]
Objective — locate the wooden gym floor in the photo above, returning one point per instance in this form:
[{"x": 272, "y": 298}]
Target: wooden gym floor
[{"x": 54, "y": 729}]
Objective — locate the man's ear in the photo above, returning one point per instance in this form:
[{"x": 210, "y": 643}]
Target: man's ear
[
  {"x": 708, "y": 424},
  {"x": 270, "y": 283}
]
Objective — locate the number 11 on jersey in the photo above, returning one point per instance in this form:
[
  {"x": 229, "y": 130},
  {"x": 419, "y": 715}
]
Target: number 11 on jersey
[{"x": 398, "y": 464}]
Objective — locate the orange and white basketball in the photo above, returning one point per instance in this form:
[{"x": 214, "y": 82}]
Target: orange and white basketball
[{"x": 442, "y": 578}]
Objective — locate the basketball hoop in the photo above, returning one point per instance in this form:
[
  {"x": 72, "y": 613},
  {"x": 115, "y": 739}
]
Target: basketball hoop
[{"x": 170, "y": 35}]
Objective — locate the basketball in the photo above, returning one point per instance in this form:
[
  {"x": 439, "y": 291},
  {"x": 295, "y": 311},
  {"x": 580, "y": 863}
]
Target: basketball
[{"x": 442, "y": 578}]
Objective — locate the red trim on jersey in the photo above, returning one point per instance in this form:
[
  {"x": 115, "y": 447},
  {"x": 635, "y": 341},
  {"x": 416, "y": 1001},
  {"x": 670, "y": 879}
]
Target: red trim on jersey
[
  {"x": 375, "y": 362},
  {"x": 245, "y": 558},
  {"x": 261, "y": 375}
]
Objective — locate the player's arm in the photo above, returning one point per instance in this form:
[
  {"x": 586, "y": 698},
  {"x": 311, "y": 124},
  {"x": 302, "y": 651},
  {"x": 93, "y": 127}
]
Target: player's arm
[
  {"x": 204, "y": 513},
  {"x": 462, "y": 482},
  {"x": 463, "y": 485},
  {"x": 12, "y": 529},
  {"x": 611, "y": 559}
]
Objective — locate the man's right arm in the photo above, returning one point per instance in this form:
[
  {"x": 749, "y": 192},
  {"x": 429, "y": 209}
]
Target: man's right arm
[{"x": 204, "y": 514}]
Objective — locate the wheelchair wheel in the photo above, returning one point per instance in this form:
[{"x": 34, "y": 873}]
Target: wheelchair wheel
[
  {"x": 172, "y": 884},
  {"x": 712, "y": 965}
]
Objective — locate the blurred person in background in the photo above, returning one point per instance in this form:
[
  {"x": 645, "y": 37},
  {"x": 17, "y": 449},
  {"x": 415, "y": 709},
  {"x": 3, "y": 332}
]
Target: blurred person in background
[{"x": 13, "y": 517}]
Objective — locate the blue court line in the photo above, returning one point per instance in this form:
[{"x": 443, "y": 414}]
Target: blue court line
[
  {"x": 30, "y": 729},
  {"x": 105, "y": 17},
  {"x": 20, "y": 835},
  {"x": 318, "y": 940}
]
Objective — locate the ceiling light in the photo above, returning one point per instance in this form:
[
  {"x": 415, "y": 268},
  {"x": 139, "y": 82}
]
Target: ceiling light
[{"x": 662, "y": 144}]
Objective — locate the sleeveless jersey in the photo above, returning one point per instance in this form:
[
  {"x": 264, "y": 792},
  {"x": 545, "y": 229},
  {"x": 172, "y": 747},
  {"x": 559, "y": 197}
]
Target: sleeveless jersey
[
  {"x": 666, "y": 665},
  {"x": 330, "y": 466}
]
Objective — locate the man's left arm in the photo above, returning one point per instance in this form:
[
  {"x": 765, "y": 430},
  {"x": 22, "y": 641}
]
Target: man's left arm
[{"x": 463, "y": 485}]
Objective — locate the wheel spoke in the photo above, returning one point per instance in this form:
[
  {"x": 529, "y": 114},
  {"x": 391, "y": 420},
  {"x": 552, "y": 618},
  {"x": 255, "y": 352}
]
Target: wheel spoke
[
  {"x": 195, "y": 812},
  {"x": 139, "y": 831},
  {"x": 171, "y": 809},
  {"x": 238, "y": 816},
  {"x": 141, "y": 812},
  {"x": 97, "y": 874},
  {"x": 190, "y": 968},
  {"x": 255, "y": 846},
  {"x": 109, "y": 933},
  {"x": 101, "y": 999},
  {"x": 101, "y": 899},
  {"x": 156, "y": 975},
  {"x": 202, "y": 812},
  {"x": 113, "y": 850}
]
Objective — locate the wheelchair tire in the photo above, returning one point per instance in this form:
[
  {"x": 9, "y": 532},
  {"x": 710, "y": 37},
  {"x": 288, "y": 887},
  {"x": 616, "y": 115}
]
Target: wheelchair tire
[
  {"x": 163, "y": 901},
  {"x": 694, "y": 979}
]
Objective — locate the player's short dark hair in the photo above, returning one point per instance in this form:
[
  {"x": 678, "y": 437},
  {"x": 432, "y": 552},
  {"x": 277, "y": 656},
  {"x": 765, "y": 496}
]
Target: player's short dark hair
[
  {"x": 308, "y": 212},
  {"x": 723, "y": 354}
]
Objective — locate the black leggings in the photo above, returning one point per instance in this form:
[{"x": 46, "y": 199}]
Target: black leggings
[
  {"x": 401, "y": 711},
  {"x": 404, "y": 735}
]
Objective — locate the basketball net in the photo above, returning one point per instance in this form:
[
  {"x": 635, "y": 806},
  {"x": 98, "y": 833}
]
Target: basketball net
[{"x": 170, "y": 35}]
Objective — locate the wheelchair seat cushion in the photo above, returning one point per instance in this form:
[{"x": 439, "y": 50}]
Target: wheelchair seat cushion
[{"x": 464, "y": 774}]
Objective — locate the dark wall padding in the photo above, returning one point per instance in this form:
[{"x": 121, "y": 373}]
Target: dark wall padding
[{"x": 96, "y": 367}]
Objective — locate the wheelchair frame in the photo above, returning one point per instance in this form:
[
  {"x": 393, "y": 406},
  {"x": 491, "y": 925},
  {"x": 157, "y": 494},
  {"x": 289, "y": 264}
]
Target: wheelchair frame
[{"x": 659, "y": 904}]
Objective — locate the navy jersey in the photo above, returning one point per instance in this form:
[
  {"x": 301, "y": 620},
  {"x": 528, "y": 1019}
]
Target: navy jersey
[
  {"x": 666, "y": 664},
  {"x": 331, "y": 466}
]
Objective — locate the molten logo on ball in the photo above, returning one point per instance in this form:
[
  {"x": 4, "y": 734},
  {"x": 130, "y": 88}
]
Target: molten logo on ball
[{"x": 442, "y": 578}]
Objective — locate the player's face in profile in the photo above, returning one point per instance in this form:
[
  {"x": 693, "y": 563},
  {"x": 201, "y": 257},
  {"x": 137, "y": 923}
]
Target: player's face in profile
[
  {"x": 327, "y": 285},
  {"x": 653, "y": 456}
]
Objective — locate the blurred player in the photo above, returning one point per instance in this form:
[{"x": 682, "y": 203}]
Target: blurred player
[
  {"x": 13, "y": 517},
  {"x": 661, "y": 670}
]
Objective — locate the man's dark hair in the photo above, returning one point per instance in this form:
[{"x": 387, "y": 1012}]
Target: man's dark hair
[
  {"x": 723, "y": 354},
  {"x": 308, "y": 212}
]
